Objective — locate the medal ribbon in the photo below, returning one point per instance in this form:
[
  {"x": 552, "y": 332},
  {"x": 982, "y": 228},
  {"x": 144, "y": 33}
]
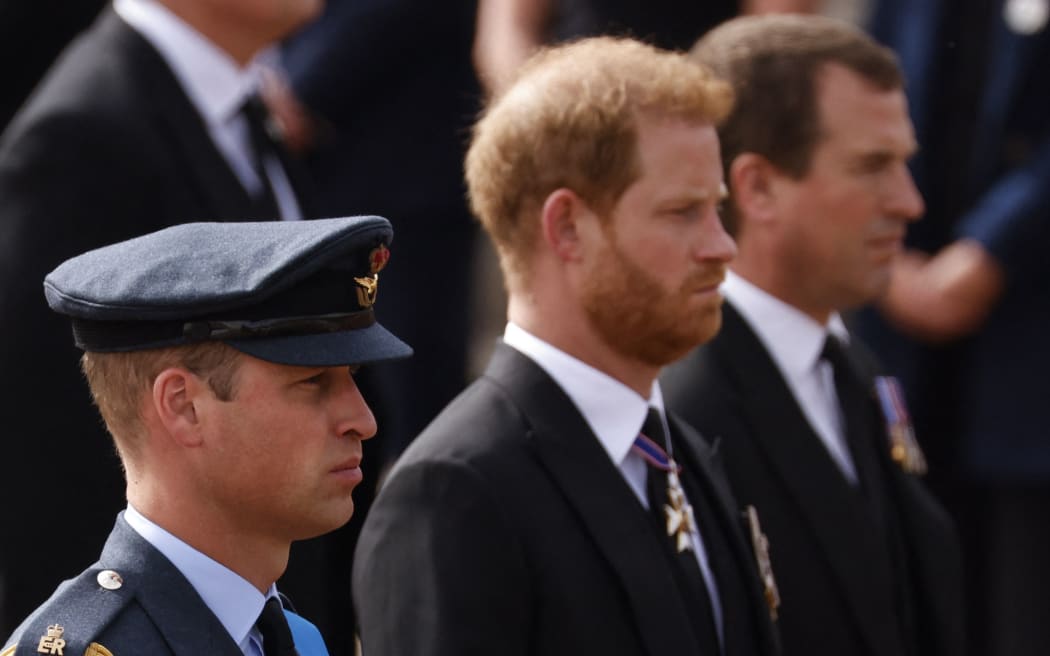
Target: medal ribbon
[{"x": 654, "y": 454}]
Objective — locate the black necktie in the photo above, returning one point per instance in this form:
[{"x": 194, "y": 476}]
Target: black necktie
[
  {"x": 263, "y": 147},
  {"x": 693, "y": 587},
  {"x": 858, "y": 420},
  {"x": 863, "y": 430},
  {"x": 273, "y": 625}
]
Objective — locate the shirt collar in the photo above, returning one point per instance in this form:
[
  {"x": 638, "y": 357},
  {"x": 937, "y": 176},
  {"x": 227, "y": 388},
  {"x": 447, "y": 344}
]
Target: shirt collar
[
  {"x": 216, "y": 85},
  {"x": 793, "y": 338},
  {"x": 614, "y": 411},
  {"x": 231, "y": 598}
]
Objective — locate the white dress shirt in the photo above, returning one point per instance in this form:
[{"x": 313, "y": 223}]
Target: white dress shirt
[
  {"x": 217, "y": 87},
  {"x": 795, "y": 341},
  {"x": 235, "y": 601},
  {"x": 615, "y": 414}
]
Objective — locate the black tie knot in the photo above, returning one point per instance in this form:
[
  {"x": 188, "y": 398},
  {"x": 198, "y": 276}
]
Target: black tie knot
[
  {"x": 260, "y": 121},
  {"x": 273, "y": 625},
  {"x": 653, "y": 428},
  {"x": 835, "y": 354}
]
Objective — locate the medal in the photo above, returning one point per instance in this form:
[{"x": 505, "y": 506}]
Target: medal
[
  {"x": 681, "y": 523},
  {"x": 760, "y": 544},
  {"x": 904, "y": 448}
]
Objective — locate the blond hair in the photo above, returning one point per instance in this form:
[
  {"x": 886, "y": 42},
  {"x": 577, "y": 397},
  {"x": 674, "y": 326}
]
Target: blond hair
[
  {"x": 121, "y": 382},
  {"x": 570, "y": 121}
]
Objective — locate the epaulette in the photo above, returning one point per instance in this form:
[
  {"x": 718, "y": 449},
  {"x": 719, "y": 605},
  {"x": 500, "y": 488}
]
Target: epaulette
[{"x": 69, "y": 622}]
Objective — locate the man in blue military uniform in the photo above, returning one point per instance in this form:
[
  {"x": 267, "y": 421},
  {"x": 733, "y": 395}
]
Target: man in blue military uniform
[{"x": 222, "y": 358}]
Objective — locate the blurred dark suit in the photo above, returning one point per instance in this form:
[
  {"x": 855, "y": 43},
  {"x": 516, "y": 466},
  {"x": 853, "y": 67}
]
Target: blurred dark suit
[{"x": 53, "y": 24}]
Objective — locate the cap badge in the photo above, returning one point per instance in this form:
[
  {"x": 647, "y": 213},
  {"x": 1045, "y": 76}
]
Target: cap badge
[
  {"x": 52, "y": 643},
  {"x": 378, "y": 258},
  {"x": 95, "y": 649},
  {"x": 368, "y": 288}
]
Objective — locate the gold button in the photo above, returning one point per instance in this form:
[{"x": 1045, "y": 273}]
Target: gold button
[{"x": 109, "y": 579}]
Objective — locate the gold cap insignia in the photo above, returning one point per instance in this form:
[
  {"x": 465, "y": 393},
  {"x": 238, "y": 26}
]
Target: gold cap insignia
[
  {"x": 95, "y": 649},
  {"x": 367, "y": 290}
]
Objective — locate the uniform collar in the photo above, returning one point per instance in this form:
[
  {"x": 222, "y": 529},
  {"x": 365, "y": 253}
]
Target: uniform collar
[{"x": 232, "y": 599}]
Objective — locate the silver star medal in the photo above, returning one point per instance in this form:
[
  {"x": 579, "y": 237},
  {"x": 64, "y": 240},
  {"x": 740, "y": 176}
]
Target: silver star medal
[{"x": 680, "y": 519}]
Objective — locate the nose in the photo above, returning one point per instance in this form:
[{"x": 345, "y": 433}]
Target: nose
[
  {"x": 713, "y": 242},
  {"x": 903, "y": 199},
  {"x": 355, "y": 418}
]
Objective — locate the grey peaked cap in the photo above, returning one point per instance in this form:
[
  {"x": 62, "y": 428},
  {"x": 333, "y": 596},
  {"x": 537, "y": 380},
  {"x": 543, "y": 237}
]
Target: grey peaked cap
[{"x": 283, "y": 291}]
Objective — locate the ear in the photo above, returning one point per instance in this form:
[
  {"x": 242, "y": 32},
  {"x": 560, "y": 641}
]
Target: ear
[
  {"x": 752, "y": 182},
  {"x": 176, "y": 392},
  {"x": 561, "y": 223}
]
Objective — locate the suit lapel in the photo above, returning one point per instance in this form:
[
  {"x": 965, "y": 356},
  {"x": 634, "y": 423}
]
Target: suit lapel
[
  {"x": 176, "y": 609},
  {"x": 807, "y": 472},
  {"x": 607, "y": 508},
  {"x": 698, "y": 456}
]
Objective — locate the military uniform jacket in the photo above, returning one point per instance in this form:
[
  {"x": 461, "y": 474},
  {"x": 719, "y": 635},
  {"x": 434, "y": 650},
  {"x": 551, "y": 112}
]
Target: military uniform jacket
[
  {"x": 831, "y": 566},
  {"x": 150, "y": 609},
  {"x": 506, "y": 529}
]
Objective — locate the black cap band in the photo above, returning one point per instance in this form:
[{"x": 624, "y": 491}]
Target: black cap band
[{"x": 116, "y": 336}]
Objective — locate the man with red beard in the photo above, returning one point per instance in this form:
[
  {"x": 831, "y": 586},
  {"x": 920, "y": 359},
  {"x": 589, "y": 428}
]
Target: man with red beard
[
  {"x": 817, "y": 151},
  {"x": 554, "y": 507}
]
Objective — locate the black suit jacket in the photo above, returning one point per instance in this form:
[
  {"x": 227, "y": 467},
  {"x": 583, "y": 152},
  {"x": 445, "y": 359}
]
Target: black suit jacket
[
  {"x": 505, "y": 529},
  {"x": 108, "y": 147},
  {"x": 828, "y": 560}
]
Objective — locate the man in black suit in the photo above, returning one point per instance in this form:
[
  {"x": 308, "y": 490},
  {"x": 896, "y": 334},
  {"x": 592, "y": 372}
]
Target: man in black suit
[
  {"x": 137, "y": 126},
  {"x": 816, "y": 154},
  {"x": 536, "y": 514}
]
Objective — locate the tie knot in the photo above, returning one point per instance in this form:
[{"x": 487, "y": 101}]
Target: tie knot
[
  {"x": 834, "y": 353},
  {"x": 273, "y": 625},
  {"x": 653, "y": 428},
  {"x": 262, "y": 128}
]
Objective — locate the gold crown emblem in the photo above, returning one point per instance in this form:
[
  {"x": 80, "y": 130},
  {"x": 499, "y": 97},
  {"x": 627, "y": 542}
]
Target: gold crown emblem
[{"x": 55, "y": 631}]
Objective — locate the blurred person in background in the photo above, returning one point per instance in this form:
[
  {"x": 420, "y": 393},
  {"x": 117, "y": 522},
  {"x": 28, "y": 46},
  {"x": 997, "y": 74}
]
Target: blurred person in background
[{"x": 968, "y": 310}]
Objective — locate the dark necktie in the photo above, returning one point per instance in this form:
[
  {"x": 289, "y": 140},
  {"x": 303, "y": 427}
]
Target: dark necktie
[
  {"x": 856, "y": 405},
  {"x": 863, "y": 430},
  {"x": 273, "y": 625},
  {"x": 263, "y": 147},
  {"x": 693, "y": 586}
]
